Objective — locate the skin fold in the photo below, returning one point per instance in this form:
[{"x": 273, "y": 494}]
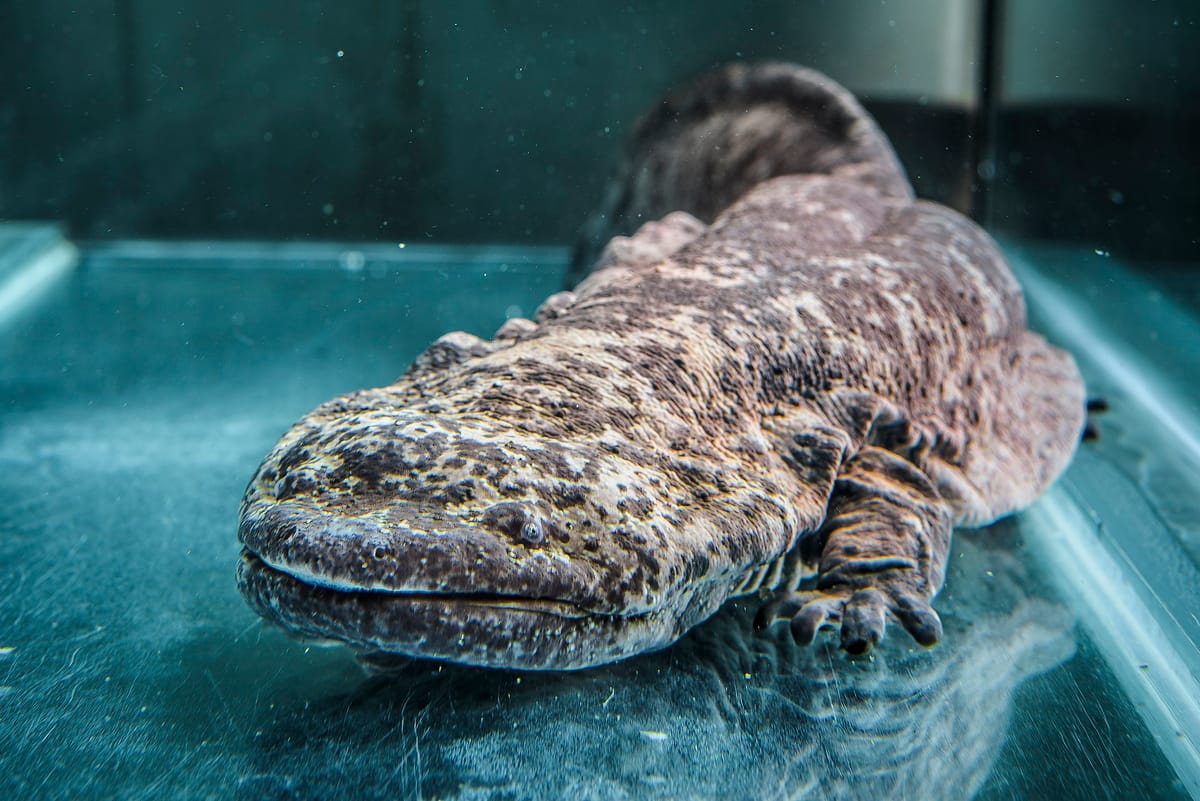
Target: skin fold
[{"x": 791, "y": 378}]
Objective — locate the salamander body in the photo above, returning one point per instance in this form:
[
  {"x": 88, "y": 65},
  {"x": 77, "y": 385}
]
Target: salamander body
[{"x": 792, "y": 378}]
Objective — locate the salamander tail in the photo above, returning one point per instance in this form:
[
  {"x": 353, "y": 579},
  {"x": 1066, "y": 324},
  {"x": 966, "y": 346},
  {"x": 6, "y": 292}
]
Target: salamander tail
[{"x": 703, "y": 147}]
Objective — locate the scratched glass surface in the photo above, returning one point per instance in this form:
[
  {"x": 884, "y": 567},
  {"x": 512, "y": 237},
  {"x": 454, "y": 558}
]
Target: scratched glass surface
[{"x": 138, "y": 401}]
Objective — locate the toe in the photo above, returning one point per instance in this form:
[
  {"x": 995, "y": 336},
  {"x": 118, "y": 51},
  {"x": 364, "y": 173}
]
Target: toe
[
  {"x": 918, "y": 619},
  {"x": 780, "y": 607},
  {"x": 863, "y": 622},
  {"x": 816, "y": 613},
  {"x": 783, "y": 606}
]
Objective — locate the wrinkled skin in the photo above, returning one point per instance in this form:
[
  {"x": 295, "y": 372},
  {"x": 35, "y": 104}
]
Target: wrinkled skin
[{"x": 805, "y": 396}]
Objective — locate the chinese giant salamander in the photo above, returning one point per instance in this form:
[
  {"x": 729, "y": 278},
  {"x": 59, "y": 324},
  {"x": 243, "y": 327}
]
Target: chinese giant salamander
[{"x": 802, "y": 397}]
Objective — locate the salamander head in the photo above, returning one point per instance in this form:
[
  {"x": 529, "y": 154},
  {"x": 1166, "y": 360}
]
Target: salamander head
[{"x": 402, "y": 531}]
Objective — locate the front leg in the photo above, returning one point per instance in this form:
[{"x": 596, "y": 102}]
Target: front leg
[{"x": 883, "y": 546}]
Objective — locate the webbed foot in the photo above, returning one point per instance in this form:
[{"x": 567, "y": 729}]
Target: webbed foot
[
  {"x": 883, "y": 553},
  {"x": 861, "y": 615}
]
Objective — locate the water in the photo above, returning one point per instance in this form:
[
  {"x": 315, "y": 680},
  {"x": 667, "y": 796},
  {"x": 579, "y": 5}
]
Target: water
[{"x": 141, "y": 391}]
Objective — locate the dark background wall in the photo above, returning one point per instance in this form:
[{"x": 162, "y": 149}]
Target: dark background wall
[
  {"x": 456, "y": 121},
  {"x": 500, "y": 120},
  {"x": 1098, "y": 125}
]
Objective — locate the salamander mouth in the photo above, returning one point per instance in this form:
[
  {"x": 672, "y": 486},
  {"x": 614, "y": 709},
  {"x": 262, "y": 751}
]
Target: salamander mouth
[
  {"x": 415, "y": 580},
  {"x": 486, "y": 629},
  {"x": 495, "y": 600}
]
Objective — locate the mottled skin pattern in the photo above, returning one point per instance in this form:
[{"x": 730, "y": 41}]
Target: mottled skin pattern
[{"x": 817, "y": 387}]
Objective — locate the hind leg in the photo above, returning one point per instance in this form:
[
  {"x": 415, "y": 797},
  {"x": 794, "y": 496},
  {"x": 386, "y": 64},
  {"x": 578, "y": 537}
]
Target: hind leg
[{"x": 884, "y": 546}]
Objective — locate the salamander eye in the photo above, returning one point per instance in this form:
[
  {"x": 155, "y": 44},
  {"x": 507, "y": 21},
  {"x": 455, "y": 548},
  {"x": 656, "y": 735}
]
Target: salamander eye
[{"x": 532, "y": 532}]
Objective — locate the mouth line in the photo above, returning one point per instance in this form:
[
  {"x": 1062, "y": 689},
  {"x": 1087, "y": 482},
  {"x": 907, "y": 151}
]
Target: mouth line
[
  {"x": 489, "y": 629},
  {"x": 487, "y": 599}
]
